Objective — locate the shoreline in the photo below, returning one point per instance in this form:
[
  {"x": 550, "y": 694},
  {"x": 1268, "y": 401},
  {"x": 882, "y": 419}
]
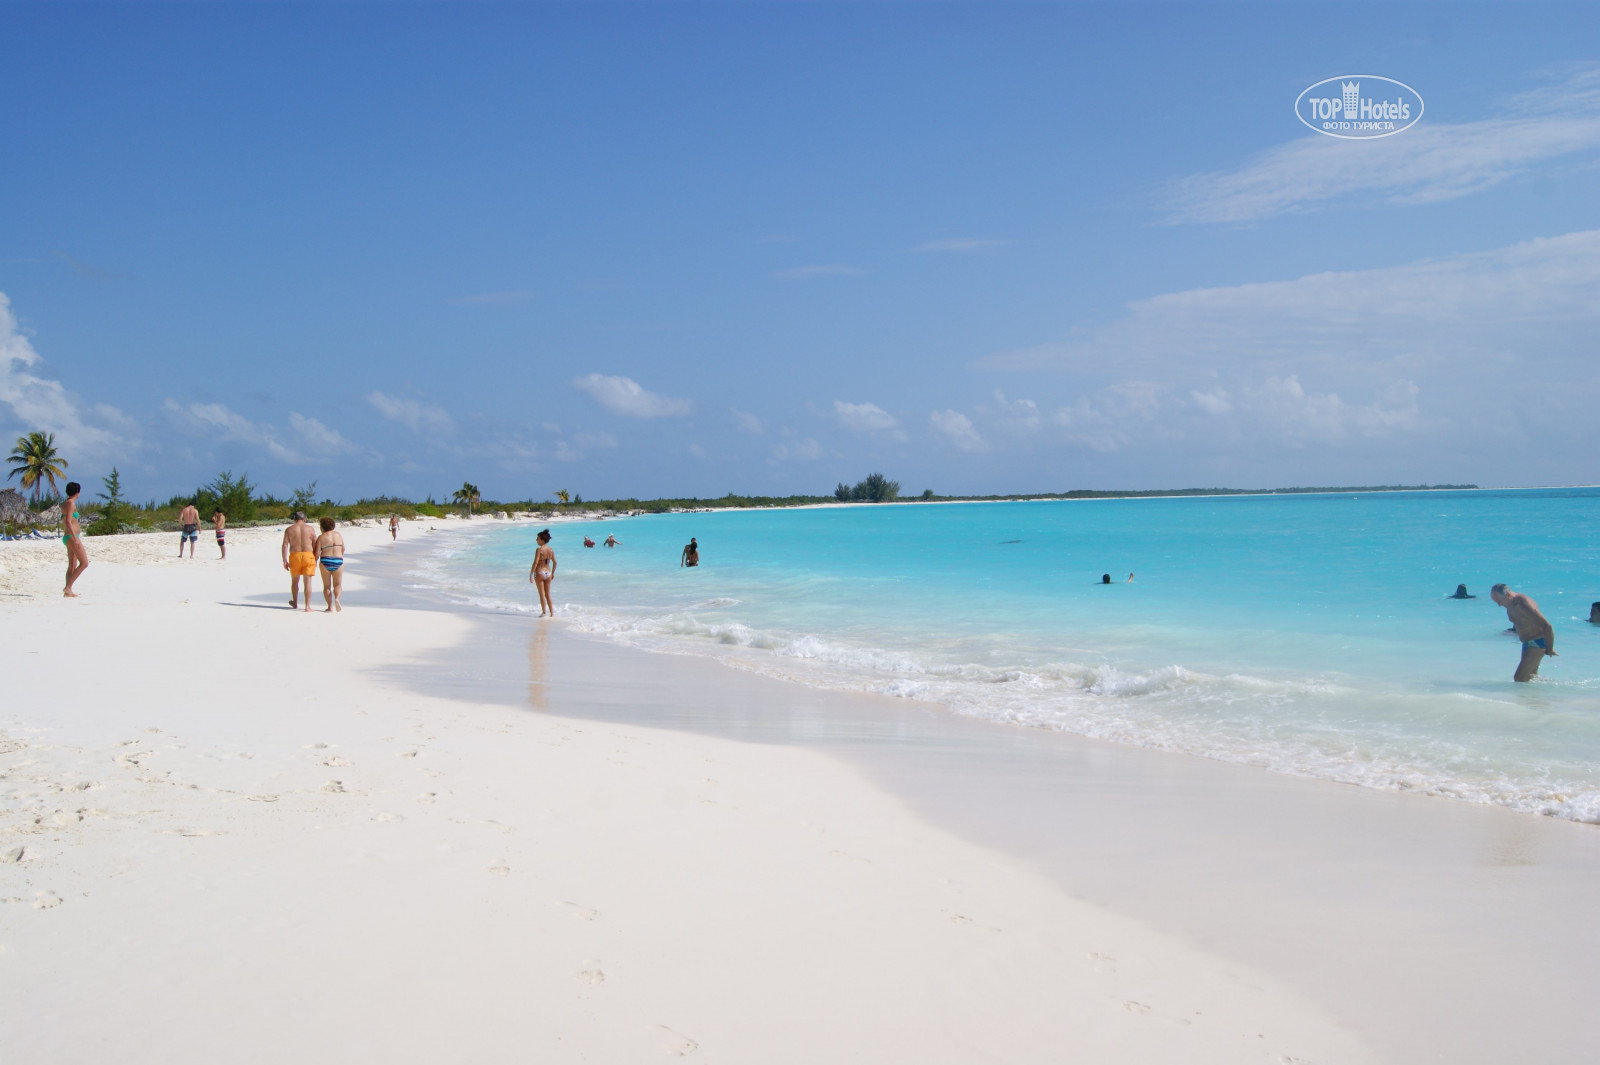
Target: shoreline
[{"x": 224, "y": 833}]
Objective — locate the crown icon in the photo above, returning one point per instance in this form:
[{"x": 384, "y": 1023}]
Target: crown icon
[{"x": 1350, "y": 88}]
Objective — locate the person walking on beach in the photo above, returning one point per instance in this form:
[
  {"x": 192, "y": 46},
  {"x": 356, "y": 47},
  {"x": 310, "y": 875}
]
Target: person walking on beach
[
  {"x": 72, "y": 537},
  {"x": 1536, "y": 633},
  {"x": 219, "y": 520},
  {"x": 330, "y": 556},
  {"x": 189, "y": 518},
  {"x": 300, "y": 557},
  {"x": 394, "y": 527},
  {"x": 691, "y": 554},
  {"x": 543, "y": 572}
]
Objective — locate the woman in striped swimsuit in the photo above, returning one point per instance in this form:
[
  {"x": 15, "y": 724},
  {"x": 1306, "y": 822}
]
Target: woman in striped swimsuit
[{"x": 330, "y": 557}]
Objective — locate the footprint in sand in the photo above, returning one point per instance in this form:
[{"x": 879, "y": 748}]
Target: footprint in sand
[
  {"x": 674, "y": 1042},
  {"x": 337, "y": 763},
  {"x": 582, "y": 912},
  {"x": 409, "y": 754},
  {"x": 427, "y": 797},
  {"x": 11, "y": 746},
  {"x": 387, "y": 817},
  {"x": 590, "y": 976},
  {"x": 499, "y": 868},
  {"x": 1103, "y": 963},
  {"x": 46, "y": 900},
  {"x": 336, "y": 786},
  {"x": 14, "y": 855},
  {"x": 1135, "y": 1007}
]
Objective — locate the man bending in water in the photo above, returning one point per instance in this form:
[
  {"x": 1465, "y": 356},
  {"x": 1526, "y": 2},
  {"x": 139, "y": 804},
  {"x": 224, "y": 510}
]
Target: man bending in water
[{"x": 1537, "y": 636}]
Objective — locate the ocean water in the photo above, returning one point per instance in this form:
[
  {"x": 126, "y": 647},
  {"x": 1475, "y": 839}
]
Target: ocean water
[{"x": 1308, "y": 634}]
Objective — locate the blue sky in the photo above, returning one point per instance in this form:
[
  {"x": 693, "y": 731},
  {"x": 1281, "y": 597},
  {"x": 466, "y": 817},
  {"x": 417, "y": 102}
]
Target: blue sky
[{"x": 672, "y": 249}]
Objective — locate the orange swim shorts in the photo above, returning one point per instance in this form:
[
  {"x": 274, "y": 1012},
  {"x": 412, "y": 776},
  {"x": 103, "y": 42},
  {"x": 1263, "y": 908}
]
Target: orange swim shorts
[{"x": 302, "y": 564}]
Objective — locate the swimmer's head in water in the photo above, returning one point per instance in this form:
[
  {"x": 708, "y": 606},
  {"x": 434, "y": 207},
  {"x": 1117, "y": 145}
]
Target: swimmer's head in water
[
  {"x": 1594, "y": 611},
  {"x": 1105, "y": 578},
  {"x": 73, "y": 488},
  {"x": 327, "y": 524}
]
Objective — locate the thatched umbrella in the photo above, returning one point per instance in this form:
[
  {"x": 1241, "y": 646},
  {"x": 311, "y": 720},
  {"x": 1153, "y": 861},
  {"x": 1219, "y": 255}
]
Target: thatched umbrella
[
  {"x": 13, "y": 508},
  {"x": 52, "y": 516}
]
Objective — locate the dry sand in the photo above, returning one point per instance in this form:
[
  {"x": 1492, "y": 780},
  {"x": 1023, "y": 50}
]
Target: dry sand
[{"x": 226, "y": 834}]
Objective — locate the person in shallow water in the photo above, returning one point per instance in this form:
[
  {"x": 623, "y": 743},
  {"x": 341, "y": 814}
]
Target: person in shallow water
[
  {"x": 1594, "y": 613},
  {"x": 691, "y": 554},
  {"x": 1461, "y": 593},
  {"x": 1536, "y": 633}
]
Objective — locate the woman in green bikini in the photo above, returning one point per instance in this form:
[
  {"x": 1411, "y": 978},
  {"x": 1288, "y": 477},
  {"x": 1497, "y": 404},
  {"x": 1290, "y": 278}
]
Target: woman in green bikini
[{"x": 72, "y": 537}]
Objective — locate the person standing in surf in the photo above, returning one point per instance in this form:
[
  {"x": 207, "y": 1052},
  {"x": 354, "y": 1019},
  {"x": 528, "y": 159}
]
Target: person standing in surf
[
  {"x": 1538, "y": 636},
  {"x": 691, "y": 554},
  {"x": 543, "y": 572}
]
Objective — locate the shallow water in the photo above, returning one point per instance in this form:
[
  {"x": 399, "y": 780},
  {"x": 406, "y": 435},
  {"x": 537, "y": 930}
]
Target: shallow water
[{"x": 1307, "y": 634}]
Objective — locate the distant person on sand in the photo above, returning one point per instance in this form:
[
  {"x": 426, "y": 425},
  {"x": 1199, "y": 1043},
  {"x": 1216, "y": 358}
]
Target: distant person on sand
[
  {"x": 220, "y": 521},
  {"x": 330, "y": 556},
  {"x": 1461, "y": 593},
  {"x": 612, "y": 541},
  {"x": 394, "y": 526},
  {"x": 543, "y": 572},
  {"x": 300, "y": 557},
  {"x": 691, "y": 554},
  {"x": 1537, "y": 635},
  {"x": 189, "y": 518},
  {"x": 72, "y": 537}
]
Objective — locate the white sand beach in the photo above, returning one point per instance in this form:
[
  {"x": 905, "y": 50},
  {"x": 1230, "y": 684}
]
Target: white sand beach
[{"x": 229, "y": 832}]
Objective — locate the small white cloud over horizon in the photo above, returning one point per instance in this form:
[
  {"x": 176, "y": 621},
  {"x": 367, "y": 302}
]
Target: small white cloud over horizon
[
  {"x": 957, "y": 428},
  {"x": 414, "y": 415},
  {"x": 1428, "y": 163},
  {"x": 746, "y": 422},
  {"x": 804, "y": 450},
  {"x": 864, "y": 417},
  {"x": 625, "y": 396}
]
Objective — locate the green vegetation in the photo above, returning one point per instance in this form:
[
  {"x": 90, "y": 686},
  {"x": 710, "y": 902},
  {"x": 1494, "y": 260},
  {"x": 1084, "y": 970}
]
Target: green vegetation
[
  {"x": 875, "y": 489},
  {"x": 112, "y": 514},
  {"x": 468, "y": 494},
  {"x": 37, "y": 461}
]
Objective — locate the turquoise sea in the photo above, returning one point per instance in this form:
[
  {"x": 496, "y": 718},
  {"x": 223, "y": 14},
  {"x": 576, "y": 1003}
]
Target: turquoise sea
[{"x": 1308, "y": 634}]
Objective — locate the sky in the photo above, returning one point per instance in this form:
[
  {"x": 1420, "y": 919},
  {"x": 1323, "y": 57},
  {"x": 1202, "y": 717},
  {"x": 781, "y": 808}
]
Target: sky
[{"x": 660, "y": 249}]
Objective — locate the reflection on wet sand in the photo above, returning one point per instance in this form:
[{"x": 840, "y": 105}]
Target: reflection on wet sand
[{"x": 539, "y": 668}]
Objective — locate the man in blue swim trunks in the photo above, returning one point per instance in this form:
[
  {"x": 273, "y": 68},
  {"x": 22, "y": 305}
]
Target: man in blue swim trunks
[{"x": 1537, "y": 635}]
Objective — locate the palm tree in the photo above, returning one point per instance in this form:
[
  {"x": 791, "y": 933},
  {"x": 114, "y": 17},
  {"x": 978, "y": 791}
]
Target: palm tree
[
  {"x": 37, "y": 461},
  {"x": 562, "y": 495},
  {"x": 468, "y": 493}
]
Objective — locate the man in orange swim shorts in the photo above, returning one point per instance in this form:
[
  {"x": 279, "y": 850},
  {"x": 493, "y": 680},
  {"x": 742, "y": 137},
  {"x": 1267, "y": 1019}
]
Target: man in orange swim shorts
[{"x": 300, "y": 557}]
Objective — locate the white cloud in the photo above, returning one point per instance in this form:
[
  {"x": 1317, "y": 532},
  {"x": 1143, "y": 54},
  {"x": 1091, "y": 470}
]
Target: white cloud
[
  {"x": 623, "y": 395},
  {"x": 697, "y": 451},
  {"x": 213, "y": 419},
  {"x": 318, "y": 436},
  {"x": 1020, "y": 414},
  {"x": 747, "y": 423},
  {"x": 1456, "y": 351},
  {"x": 414, "y": 415},
  {"x": 806, "y": 450},
  {"x": 43, "y": 405},
  {"x": 864, "y": 417},
  {"x": 1428, "y": 163},
  {"x": 967, "y": 245},
  {"x": 802, "y": 273},
  {"x": 957, "y": 429}
]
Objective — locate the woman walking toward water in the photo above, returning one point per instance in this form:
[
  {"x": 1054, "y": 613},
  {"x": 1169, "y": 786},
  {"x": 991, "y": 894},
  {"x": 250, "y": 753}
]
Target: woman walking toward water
[
  {"x": 72, "y": 537},
  {"x": 330, "y": 557},
  {"x": 543, "y": 572}
]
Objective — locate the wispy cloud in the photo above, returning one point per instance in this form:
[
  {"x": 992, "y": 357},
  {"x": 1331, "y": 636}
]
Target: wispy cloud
[
  {"x": 956, "y": 428},
  {"x": 39, "y": 403},
  {"x": 961, "y": 245},
  {"x": 83, "y": 269},
  {"x": 305, "y": 441},
  {"x": 625, "y": 396},
  {"x": 804, "y": 450},
  {"x": 1493, "y": 342},
  {"x": 520, "y": 295},
  {"x": 747, "y": 422},
  {"x": 1429, "y": 163},
  {"x": 417, "y": 416},
  {"x": 803, "y": 273}
]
